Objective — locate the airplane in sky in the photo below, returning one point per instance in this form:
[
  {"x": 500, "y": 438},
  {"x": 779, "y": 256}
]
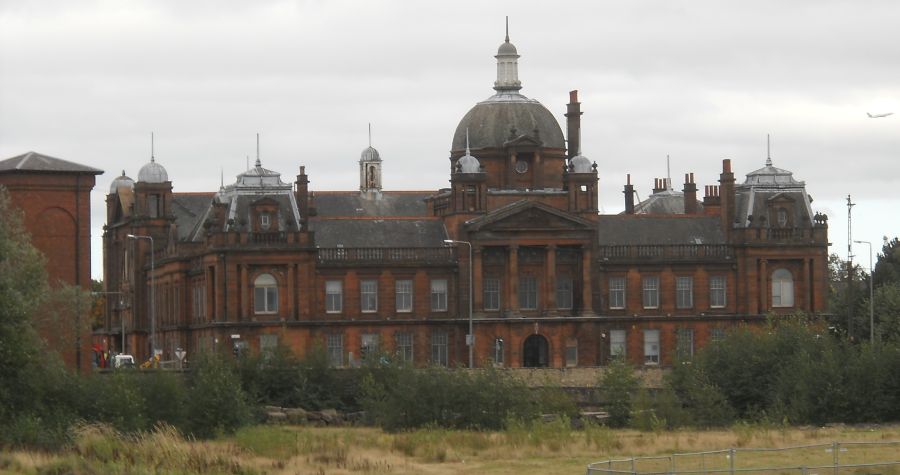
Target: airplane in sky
[{"x": 878, "y": 116}]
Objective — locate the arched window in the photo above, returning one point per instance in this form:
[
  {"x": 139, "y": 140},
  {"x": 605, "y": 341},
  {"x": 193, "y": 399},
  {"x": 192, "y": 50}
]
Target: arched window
[
  {"x": 265, "y": 294},
  {"x": 782, "y": 218},
  {"x": 782, "y": 288}
]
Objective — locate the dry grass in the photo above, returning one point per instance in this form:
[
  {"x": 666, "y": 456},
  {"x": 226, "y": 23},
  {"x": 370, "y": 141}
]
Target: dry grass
[{"x": 549, "y": 448}]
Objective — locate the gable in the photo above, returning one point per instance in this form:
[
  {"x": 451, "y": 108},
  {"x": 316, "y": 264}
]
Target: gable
[{"x": 525, "y": 216}]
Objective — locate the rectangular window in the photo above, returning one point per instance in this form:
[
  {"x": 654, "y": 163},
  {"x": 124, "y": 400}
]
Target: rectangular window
[
  {"x": 617, "y": 344},
  {"x": 684, "y": 292},
  {"x": 685, "y": 343},
  {"x": 498, "y": 351},
  {"x": 336, "y": 350},
  {"x": 616, "y": 292},
  {"x": 267, "y": 344},
  {"x": 492, "y": 294},
  {"x": 717, "y": 291},
  {"x": 404, "y": 344},
  {"x": 368, "y": 296},
  {"x": 651, "y": 292},
  {"x": 334, "y": 296},
  {"x": 153, "y": 208},
  {"x": 265, "y": 299},
  {"x": 564, "y": 293},
  {"x": 528, "y": 295},
  {"x": 439, "y": 343},
  {"x": 651, "y": 347},
  {"x": 716, "y": 334},
  {"x": 404, "y": 290},
  {"x": 571, "y": 352},
  {"x": 368, "y": 346},
  {"x": 439, "y": 295}
]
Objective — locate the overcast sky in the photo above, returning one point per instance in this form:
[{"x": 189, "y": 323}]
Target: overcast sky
[{"x": 88, "y": 81}]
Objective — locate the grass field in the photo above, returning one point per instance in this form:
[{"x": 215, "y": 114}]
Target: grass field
[{"x": 544, "y": 449}]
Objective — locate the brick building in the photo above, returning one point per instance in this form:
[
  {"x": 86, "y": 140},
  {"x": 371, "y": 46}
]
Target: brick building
[
  {"x": 554, "y": 283},
  {"x": 55, "y": 197}
]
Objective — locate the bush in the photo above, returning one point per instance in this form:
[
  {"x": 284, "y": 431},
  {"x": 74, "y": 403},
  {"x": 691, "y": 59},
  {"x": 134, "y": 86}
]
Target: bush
[
  {"x": 617, "y": 388},
  {"x": 217, "y": 404}
]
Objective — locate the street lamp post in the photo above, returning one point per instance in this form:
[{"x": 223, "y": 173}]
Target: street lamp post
[
  {"x": 871, "y": 294},
  {"x": 152, "y": 294},
  {"x": 470, "y": 338}
]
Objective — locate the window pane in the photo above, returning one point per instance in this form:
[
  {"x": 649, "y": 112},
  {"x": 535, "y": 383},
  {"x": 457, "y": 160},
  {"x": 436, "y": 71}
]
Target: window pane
[
  {"x": 685, "y": 342},
  {"x": 717, "y": 334},
  {"x": 616, "y": 292},
  {"x": 334, "y": 290},
  {"x": 684, "y": 292},
  {"x": 571, "y": 352},
  {"x": 404, "y": 295},
  {"x": 439, "y": 342},
  {"x": 492, "y": 294},
  {"x": 268, "y": 343},
  {"x": 498, "y": 351},
  {"x": 617, "y": 343},
  {"x": 368, "y": 345},
  {"x": 651, "y": 346},
  {"x": 564, "y": 293},
  {"x": 528, "y": 293},
  {"x": 368, "y": 295},
  {"x": 404, "y": 342},
  {"x": 717, "y": 291},
  {"x": 651, "y": 292},
  {"x": 439, "y": 295},
  {"x": 782, "y": 288},
  {"x": 336, "y": 350}
]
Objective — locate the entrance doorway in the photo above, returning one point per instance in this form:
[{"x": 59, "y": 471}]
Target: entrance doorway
[{"x": 535, "y": 352}]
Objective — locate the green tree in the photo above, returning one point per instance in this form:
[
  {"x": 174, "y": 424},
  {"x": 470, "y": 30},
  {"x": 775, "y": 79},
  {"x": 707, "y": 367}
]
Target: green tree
[
  {"x": 217, "y": 404},
  {"x": 887, "y": 312},
  {"x": 838, "y": 301},
  {"x": 887, "y": 269},
  {"x": 618, "y": 388}
]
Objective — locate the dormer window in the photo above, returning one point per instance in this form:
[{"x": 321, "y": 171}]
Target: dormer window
[
  {"x": 265, "y": 221},
  {"x": 782, "y": 218}
]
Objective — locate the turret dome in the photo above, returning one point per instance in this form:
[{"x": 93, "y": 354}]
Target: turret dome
[
  {"x": 121, "y": 182},
  {"x": 153, "y": 173}
]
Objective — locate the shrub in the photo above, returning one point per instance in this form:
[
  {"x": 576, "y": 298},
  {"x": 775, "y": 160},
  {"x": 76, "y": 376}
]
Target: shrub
[
  {"x": 618, "y": 387},
  {"x": 216, "y": 401}
]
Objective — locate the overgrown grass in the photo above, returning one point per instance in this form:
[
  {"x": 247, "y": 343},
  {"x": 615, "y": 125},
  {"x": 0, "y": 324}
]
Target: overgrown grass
[{"x": 538, "y": 448}]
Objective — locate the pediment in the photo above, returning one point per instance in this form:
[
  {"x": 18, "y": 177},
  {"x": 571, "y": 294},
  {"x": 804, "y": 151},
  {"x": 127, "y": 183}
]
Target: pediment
[
  {"x": 265, "y": 201},
  {"x": 528, "y": 216},
  {"x": 523, "y": 141},
  {"x": 781, "y": 198}
]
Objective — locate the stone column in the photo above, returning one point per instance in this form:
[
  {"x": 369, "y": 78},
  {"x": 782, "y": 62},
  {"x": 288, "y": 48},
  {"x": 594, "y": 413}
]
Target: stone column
[
  {"x": 549, "y": 298},
  {"x": 512, "y": 280},
  {"x": 587, "y": 305},
  {"x": 477, "y": 277},
  {"x": 806, "y": 303},
  {"x": 290, "y": 313},
  {"x": 763, "y": 286},
  {"x": 245, "y": 294}
]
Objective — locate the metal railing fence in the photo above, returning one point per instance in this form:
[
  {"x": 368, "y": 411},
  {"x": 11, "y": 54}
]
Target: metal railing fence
[{"x": 836, "y": 458}]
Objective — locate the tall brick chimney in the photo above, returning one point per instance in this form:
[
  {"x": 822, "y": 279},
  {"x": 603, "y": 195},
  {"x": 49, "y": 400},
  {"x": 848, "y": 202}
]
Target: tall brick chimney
[
  {"x": 726, "y": 195},
  {"x": 573, "y": 124},
  {"x": 690, "y": 194},
  {"x": 302, "y": 194},
  {"x": 629, "y": 196}
]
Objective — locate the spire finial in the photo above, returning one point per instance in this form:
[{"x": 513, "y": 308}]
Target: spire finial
[
  {"x": 768, "y": 151},
  {"x": 467, "y": 141},
  {"x": 221, "y": 177},
  {"x": 152, "y": 149},
  {"x": 370, "y": 135},
  {"x": 668, "y": 174},
  {"x": 507, "y": 28},
  {"x": 258, "y": 163}
]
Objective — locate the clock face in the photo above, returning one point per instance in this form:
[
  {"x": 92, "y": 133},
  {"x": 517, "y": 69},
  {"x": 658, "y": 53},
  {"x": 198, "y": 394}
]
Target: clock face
[{"x": 521, "y": 166}]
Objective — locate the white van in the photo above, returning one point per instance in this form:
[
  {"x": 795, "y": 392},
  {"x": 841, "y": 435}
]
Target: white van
[{"x": 123, "y": 361}]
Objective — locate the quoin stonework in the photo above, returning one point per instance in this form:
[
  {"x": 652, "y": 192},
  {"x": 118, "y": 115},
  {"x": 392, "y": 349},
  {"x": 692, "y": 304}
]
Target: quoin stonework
[{"x": 266, "y": 260}]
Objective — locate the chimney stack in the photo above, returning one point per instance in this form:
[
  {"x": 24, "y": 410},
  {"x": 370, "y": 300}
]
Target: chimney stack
[
  {"x": 302, "y": 194},
  {"x": 659, "y": 185},
  {"x": 629, "y": 196},
  {"x": 573, "y": 125},
  {"x": 726, "y": 195},
  {"x": 690, "y": 194}
]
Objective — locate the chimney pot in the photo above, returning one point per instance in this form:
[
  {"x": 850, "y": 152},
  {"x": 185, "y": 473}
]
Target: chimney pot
[{"x": 573, "y": 96}]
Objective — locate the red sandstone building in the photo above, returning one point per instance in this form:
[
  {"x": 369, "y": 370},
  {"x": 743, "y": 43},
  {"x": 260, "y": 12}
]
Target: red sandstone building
[
  {"x": 554, "y": 283},
  {"x": 55, "y": 197}
]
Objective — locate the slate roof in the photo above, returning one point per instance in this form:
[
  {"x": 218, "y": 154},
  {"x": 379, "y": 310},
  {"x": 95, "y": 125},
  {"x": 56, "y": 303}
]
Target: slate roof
[
  {"x": 368, "y": 232},
  {"x": 664, "y": 202},
  {"x": 354, "y": 203},
  {"x": 35, "y": 162},
  {"x": 189, "y": 209},
  {"x": 646, "y": 229}
]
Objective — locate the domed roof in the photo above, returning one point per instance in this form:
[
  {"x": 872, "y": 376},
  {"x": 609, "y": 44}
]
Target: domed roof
[
  {"x": 153, "y": 173},
  {"x": 490, "y": 123},
  {"x": 369, "y": 155},
  {"x": 468, "y": 164},
  {"x": 770, "y": 175},
  {"x": 580, "y": 164},
  {"x": 507, "y": 48},
  {"x": 121, "y": 182}
]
